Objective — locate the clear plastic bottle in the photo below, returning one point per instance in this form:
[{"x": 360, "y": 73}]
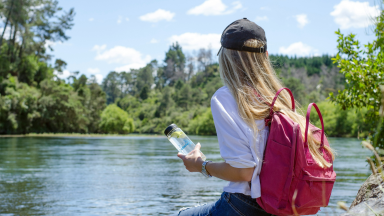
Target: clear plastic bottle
[{"x": 180, "y": 140}]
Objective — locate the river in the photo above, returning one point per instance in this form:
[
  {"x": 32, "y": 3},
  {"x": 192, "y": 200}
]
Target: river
[{"x": 129, "y": 176}]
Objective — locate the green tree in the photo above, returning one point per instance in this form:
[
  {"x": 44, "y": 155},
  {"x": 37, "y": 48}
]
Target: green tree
[
  {"x": 111, "y": 85},
  {"x": 174, "y": 64},
  {"x": 203, "y": 124},
  {"x": 363, "y": 68},
  {"x": 61, "y": 109},
  {"x": 115, "y": 120},
  {"x": 18, "y": 107},
  {"x": 93, "y": 98},
  {"x": 144, "y": 92},
  {"x": 36, "y": 24},
  {"x": 166, "y": 102},
  {"x": 145, "y": 76},
  {"x": 297, "y": 88}
]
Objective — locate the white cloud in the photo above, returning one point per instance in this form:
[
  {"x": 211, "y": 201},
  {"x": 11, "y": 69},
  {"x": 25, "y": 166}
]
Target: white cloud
[
  {"x": 93, "y": 70},
  {"x": 128, "y": 67},
  {"x": 154, "y": 40},
  {"x": 91, "y": 19},
  {"x": 96, "y": 73},
  {"x": 130, "y": 58},
  {"x": 214, "y": 7},
  {"x": 157, "y": 16},
  {"x": 120, "y": 19},
  {"x": 194, "y": 41},
  {"x": 63, "y": 75},
  {"x": 263, "y": 18},
  {"x": 99, "y": 78},
  {"x": 302, "y": 20},
  {"x": 8, "y": 33},
  {"x": 99, "y": 48},
  {"x": 264, "y": 8},
  {"x": 49, "y": 43},
  {"x": 349, "y": 14},
  {"x": 298, "y": 49}
]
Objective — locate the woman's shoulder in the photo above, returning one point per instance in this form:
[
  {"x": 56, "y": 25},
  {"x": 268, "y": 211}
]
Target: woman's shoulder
[
  {"x": 224, "y": 102},
  {"x": 222, "y": 93}
]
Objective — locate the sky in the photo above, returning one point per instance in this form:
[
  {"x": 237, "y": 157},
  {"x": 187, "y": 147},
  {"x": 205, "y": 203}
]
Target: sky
[{"x": 117, "y": 35}]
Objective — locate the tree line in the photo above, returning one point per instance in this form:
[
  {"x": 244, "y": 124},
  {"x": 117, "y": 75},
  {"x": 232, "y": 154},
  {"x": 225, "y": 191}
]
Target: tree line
[{"x": 33, "y": 99}]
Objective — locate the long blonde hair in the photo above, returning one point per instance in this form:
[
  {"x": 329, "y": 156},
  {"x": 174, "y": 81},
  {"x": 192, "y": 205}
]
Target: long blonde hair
[{"x": 245, "y": 72}]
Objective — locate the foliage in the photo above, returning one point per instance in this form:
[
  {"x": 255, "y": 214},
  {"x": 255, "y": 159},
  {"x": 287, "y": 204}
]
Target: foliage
[
  {"x": 362, "y": 66},
  {"x": 32, "y": 98},
  {"x": 311, "y": 64},
  {"x": 18, "y": 107},
  {"x": 115, "y": 120},
  {"x": 203, "y": 124},
  {"x": 308, "y": 86},
  {"x": 339, "y": 122}
]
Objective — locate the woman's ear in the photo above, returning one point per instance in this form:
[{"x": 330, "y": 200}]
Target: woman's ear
[{"x": 266, "y": 52}]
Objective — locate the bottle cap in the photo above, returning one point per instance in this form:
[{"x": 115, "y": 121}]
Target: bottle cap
[{"x": 169, "y": 129}]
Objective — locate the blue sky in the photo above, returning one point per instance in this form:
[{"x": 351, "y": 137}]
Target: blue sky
[{"x": 118, "y": 35}]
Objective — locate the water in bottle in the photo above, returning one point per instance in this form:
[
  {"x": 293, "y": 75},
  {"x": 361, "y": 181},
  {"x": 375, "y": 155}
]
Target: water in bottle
[{"x": 180, "y": 140}]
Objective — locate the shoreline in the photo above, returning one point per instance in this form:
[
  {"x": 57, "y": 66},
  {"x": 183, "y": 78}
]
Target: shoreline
[{"x": 77, "y": 135}]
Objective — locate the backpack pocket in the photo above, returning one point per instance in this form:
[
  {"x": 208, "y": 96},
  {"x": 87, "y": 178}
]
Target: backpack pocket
[{"x": 313, "y": 191}]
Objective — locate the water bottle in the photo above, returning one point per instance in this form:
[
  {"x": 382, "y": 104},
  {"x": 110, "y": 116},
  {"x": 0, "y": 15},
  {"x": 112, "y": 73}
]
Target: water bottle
[{"x": 180, "y": 140}]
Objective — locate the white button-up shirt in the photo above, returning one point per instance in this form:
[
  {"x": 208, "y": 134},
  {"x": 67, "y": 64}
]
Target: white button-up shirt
[{"x": 240, "y": 146}]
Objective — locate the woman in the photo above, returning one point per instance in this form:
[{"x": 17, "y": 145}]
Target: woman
[{"x": 239, "y": 109}]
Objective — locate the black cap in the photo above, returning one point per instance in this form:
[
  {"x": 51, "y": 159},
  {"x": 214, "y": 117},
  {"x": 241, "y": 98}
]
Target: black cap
[
  {"x": 236, "y": 33},
  {"x": 169, "y": 129}
]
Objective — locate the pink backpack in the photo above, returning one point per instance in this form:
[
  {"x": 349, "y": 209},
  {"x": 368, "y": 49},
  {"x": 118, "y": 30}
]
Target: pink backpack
[{"x": 291, "y": 181}]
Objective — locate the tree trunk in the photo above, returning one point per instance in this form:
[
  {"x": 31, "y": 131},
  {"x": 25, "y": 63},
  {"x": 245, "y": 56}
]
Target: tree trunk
[
  {"x": 13, "y": 52},
  {"x": 21, "y": 50},
  {"x": 14, "y": 35},
  {"x": 9, "y": 40},
  {"x": 6, "y": 23}
]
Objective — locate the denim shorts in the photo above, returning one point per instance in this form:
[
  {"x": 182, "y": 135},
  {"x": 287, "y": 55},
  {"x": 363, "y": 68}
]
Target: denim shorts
[{"x": 229, "y": 204}]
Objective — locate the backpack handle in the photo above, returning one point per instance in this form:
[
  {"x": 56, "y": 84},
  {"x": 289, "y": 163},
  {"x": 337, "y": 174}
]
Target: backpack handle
[
  {"x": 307, "y": 124},
  {"x": 275, "y": 98}
]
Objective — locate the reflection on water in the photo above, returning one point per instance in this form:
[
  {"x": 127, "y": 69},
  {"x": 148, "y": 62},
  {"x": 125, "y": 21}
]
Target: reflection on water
[{"x": 128, "y": 176}]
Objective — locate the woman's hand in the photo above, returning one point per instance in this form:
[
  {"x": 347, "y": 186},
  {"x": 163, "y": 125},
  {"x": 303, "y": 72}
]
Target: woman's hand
[{"x": 192, "y": 161}]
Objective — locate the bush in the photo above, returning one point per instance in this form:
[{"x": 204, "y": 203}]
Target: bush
[
  {"x": 203, "y": 124},
  {"x": 115, "y": 120},
  {"x": 339, "y": 122}
]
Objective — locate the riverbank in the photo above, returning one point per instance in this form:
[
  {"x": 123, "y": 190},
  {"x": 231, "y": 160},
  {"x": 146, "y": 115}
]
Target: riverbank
[{"x": 79, "y": 135}]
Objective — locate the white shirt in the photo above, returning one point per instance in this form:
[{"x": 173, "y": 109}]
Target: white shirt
[{"x": 240, "y": 146}]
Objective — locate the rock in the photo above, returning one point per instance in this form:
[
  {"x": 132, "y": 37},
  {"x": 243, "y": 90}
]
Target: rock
[
  {"x": 369, "y": 199},
  {"x": 370, "y": 207},
  {"x": 370, "y": 189}
]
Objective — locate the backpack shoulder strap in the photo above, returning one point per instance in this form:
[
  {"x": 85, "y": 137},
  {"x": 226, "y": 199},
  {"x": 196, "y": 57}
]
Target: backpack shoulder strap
[
  {"x": 275, "y": 98},
  {"x": 268, "y": 120}
]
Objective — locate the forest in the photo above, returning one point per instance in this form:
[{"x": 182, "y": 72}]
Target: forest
[{"x": 33, "y": 99}]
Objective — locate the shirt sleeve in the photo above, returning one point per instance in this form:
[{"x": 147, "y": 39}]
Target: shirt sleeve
[{"x": 231, "y": 133}]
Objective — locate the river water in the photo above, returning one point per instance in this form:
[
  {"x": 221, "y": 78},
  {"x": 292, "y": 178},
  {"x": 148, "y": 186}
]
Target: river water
[{"x": 129, "y": 176}]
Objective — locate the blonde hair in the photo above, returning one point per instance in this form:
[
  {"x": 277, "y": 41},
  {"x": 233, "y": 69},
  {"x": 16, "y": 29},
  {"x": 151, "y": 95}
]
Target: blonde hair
[{"x": 246, "y": 72}]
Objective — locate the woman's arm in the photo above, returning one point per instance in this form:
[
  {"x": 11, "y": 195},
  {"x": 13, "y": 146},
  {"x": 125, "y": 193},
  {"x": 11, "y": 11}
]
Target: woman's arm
[{"x": 193, "y": 163}]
